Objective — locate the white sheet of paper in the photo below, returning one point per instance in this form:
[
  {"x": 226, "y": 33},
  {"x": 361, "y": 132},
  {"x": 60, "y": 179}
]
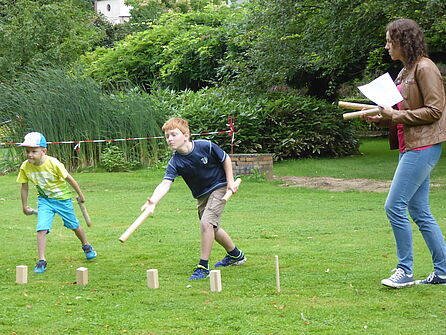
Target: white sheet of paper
[{"x": 382, "y": 91}]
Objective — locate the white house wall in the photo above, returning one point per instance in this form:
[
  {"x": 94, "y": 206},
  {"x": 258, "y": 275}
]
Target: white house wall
[{"x": 114, "y": 10}]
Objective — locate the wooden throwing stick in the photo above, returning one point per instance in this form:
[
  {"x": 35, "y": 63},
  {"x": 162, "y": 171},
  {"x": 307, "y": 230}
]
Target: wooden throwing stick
[
  {"x": 363, "y": 109},
  {"x": 135, "y": 225},
  {"x": 229, "y": 192}
]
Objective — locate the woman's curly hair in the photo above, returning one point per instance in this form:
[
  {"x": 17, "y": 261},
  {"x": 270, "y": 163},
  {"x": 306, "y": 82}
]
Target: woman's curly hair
[{"x": 408, "y": 35}]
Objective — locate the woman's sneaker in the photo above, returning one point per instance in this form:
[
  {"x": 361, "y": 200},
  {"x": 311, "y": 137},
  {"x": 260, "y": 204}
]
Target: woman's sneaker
[
  {"x": 89, "y": 251},
  {"x": 200, "y": 272},
  {"x": 432, "y": 279},
  {"x": 230, "y": 260},
  {"x": 40, "y": 266},
  {"x": 399, "y": 279}
]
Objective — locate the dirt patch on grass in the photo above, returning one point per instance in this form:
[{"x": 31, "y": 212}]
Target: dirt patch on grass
[{"x": 338, "y": 184}]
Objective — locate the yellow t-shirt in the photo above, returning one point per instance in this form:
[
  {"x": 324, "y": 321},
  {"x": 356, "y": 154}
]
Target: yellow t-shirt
[{"x": 49, "y": 178}]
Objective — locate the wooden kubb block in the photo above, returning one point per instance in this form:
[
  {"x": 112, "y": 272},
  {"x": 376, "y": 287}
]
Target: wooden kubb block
[
  {"x": 21, "y": 274},
  {"x": 152, "y": 278},
  {"x": 215, "y": 281},
  {"x": 82, "y": 276}
]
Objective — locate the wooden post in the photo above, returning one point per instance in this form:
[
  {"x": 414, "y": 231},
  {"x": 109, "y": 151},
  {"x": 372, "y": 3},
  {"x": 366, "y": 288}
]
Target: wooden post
[
  {"x": 82, "y": 276},
  {"x": 277, "y": 274},
  {"x": 215, "y": 281},
  {"x": 21, "y": 274},
  {"x": 152, "y": 278}
]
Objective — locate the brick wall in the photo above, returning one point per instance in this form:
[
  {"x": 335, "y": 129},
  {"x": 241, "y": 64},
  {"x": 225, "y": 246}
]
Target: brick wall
[{"x": 243, "y": 164}]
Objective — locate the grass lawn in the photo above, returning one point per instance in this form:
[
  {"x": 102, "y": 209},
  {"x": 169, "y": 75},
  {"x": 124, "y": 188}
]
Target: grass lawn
[{"x": 333, "y": 248}]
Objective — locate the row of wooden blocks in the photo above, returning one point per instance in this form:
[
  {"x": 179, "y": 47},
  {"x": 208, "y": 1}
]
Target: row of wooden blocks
[
  {"x": 152, "y": 277},
  {"x": 21, "y": 275},
  {"x": 215, "y": 280}
]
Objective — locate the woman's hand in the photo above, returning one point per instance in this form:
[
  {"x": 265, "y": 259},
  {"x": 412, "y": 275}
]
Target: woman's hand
[
  {"x": 371, "y": 118},
  {"x": 385, "y": 112}
]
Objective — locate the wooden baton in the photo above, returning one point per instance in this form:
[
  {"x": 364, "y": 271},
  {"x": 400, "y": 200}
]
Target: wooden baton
[
  {"x": 229, "y": 192},
  {"x": 355, "y": 106},
  {"x": 135, "y": 225},
  {"x": 363, "y": 109},
  {"x": 353, "y": 115},
  {"x": 84, "y": 212}
]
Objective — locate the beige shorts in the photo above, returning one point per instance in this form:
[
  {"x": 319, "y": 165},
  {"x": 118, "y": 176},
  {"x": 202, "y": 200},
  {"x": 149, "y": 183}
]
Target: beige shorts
[{"x": 210, "y": 206}]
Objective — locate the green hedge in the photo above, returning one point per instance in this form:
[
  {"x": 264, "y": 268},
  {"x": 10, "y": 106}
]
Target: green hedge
[{"x": 283, "y": 123}]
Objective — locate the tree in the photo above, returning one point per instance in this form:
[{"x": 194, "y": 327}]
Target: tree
[
  {"x": 150, "y": 10},
  {"x": 316, "y": 45},
  {"x": 181, "y": 51},
  {"x": 44, "y": 33}
]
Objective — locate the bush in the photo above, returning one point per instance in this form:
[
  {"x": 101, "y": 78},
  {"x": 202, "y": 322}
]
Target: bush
[
  {"x": 182, "y": 51},
  {"x": 207, "y": 110},
  {"x": 282, "y": 123},
  {"x": 113, "y": 160},
  {"x": 302, "y": 126}
]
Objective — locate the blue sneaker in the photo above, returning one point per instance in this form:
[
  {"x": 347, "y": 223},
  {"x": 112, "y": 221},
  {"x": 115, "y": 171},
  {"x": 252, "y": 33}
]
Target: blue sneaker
[
  {"x": 40, "y": 266},
  {"x": 432, "y": 279},
  {"x": 399, "y": 279},
  {"x": 230, "y": 260},
  {"x": 89, "y": 252},
  {"x": 200, "y": 272}
]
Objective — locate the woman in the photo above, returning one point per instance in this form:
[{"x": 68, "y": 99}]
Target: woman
[{"x": 417, "y": 128}]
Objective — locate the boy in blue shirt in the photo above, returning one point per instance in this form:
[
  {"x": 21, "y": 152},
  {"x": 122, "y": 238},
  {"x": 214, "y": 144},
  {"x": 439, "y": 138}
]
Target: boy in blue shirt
[
  {"x": 50, "y": 177},
  {"x": 207, "y": 170}
]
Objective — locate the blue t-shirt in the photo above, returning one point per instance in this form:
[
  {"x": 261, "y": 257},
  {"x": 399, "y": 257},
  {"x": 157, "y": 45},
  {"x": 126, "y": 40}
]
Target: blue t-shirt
[{"x": 201, "y": 169}]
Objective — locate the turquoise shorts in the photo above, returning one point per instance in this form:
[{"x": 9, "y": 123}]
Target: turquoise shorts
[{"x": 49, "y": 207}]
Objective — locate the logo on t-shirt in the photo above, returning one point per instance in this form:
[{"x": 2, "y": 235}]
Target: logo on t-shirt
[{"x": 204, "y": 160}]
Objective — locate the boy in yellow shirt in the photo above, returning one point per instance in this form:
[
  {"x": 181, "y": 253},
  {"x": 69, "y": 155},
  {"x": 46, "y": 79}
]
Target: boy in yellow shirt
[{"x": 50, "y": 178}]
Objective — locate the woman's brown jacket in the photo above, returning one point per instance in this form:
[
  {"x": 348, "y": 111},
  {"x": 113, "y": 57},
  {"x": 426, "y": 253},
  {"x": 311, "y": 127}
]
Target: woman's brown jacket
[{"x": 423, "y": 110}]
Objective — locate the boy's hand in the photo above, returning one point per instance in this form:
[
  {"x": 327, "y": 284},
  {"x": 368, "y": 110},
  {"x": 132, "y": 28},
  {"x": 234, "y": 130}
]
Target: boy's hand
[
  {"x": 148, "y": 205},
  {"x": 28, "y": 211},
  {"x": 232, "y": 186}
]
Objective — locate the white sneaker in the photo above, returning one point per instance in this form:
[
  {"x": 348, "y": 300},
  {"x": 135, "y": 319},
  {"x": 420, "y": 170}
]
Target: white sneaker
[{"x": 399, "y": 279}]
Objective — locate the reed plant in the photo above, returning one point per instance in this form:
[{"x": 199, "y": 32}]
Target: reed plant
[{"x": 65, "y": 107}]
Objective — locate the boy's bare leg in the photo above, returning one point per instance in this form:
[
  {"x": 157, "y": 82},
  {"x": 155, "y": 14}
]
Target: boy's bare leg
[
  {"x": 80, "y": 233},
  {"x": 41, "y": 244},
  {"x": 223, "y": 239},
  {"x": 207, "y": 239}
]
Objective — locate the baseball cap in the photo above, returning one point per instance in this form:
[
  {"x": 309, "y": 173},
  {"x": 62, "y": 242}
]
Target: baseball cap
[{"x": 34, "y": 140}]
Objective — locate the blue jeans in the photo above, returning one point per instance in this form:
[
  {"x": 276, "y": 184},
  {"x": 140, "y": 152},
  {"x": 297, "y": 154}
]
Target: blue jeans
[{"x": 410, "y": 191}]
